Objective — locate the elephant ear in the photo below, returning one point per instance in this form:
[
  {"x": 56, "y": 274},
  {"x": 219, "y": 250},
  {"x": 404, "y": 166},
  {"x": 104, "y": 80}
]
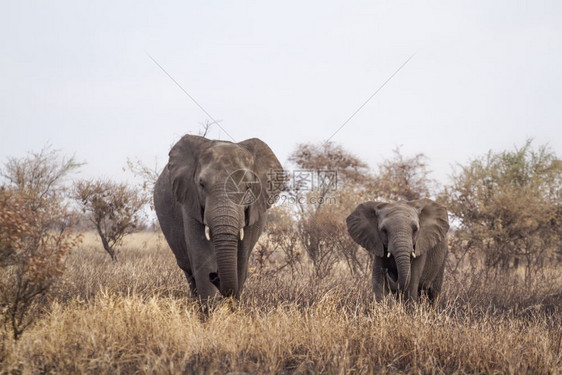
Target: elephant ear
[
  {"x": 434, "y": 224},
  {"x": 182, "y": 166},
  {"x": 271, "y": 175},
  {"x": 363, "y": 227}
]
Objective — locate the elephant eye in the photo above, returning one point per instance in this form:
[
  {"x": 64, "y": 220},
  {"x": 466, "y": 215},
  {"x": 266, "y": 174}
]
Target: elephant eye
[
  {"x": 201, "y": 183},
  {"x": 415, "y": 227}
]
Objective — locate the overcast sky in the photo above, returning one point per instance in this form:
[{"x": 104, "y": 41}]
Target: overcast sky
[{"x": 485, "y": 75}]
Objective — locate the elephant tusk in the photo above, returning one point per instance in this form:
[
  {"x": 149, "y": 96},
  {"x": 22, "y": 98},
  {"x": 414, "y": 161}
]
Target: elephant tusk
[
  {"x": 388, "y": 254},
  {"x": 207, "y": 233},
  {"x": 241, "y": 234},
  {"x": 413, "y": 254}
]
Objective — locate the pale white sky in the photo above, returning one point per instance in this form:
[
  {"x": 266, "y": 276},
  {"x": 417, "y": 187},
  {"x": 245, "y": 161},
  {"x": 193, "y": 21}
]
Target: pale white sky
[{"x": 486, "y": 75}]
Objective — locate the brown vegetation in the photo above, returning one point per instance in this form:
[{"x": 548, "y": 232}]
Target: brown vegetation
[
  {"x": 508, "y": 207},
  {"x": 307, "y": 306},
  {"x": 114, "y": 209},
  {"x": 334, "y": 182},
  {"x": 136, "y": 316},
  {"x": 402, "y": 178},
  {"x": 35, "y": 236}
]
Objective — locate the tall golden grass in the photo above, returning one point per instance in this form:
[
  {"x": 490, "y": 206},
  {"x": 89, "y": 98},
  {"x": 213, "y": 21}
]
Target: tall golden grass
[{"x": 136, "y": 316}]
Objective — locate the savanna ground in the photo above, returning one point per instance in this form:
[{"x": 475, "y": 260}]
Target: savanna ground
[{"x": 136, "y": 316}]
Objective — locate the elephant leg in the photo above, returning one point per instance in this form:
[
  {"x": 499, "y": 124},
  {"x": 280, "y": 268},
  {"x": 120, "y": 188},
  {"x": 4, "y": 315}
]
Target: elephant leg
[
  {"x": 438, "y": 267},
  {"x": 170, "y": 216},
  {"x": 413, "y": 290},
  {"x": 378, "y": 279},
  {"x": 251, "y": 235},
  {"x": 203, "y": 272},
  {"x": 201, "y": 258},
  {"x": 190, "y": 281},
  {"x": 435, "y": 289}
]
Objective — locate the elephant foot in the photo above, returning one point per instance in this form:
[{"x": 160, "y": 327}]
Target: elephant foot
[{"x": 215, "y": 280}]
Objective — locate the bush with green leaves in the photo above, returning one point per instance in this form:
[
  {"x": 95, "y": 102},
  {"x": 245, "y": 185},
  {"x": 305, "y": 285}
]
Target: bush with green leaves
[{"x": 507, "y": 208}]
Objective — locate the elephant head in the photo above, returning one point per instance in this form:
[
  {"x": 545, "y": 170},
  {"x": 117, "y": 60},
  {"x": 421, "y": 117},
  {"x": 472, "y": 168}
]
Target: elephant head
[
  {"x": 223, "y": 186},
  {"x": 402, "y": 230}
]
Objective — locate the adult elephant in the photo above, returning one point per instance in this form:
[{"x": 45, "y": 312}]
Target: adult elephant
[
  {"x": 408, "y": 241},
  {"x": 211, "y": 201}
]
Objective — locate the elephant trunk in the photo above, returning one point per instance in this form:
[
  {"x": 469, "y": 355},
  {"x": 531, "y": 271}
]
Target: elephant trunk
[
  {"x": 401, "y": 249},
  {"x": 226, "y": 250},
  {"x": 224, "y": 221}
]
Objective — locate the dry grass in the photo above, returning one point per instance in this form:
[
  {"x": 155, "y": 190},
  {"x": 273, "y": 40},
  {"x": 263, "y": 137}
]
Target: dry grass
[{"x": 135, "y": 316}]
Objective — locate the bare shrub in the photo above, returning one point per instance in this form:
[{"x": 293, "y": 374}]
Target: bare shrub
[
  {"x": 317, "y": 235},
  {"x": 42, "y": 173},
  {"x": 280, "y": 231},
  {"x": 321, "y": 170},
  {"x": 508, "y": 210},
  {"x": 32, "y": 258},
  {"x": 34, "y": 237},
  {"x": 114, "y": 209},
  {"x": 327, "y": 181},
  {"x": 278, "y": 248},
  {"x": 147, "y": 175},
  {"x": 402, "y": 178},
  {"x": 261, "y": 261}
]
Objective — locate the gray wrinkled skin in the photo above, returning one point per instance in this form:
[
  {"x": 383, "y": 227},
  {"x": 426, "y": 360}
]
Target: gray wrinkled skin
[
  {"x": 192, "y": 193},
  {"x": 409, "y": 244}
]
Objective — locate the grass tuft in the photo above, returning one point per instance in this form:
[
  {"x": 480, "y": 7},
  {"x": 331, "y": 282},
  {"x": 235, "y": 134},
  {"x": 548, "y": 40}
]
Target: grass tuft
[{"x": 135, "y": 316}]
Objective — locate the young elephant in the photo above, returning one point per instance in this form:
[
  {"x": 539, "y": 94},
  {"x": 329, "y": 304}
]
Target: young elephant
[{"x": 408, "y": 241}]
